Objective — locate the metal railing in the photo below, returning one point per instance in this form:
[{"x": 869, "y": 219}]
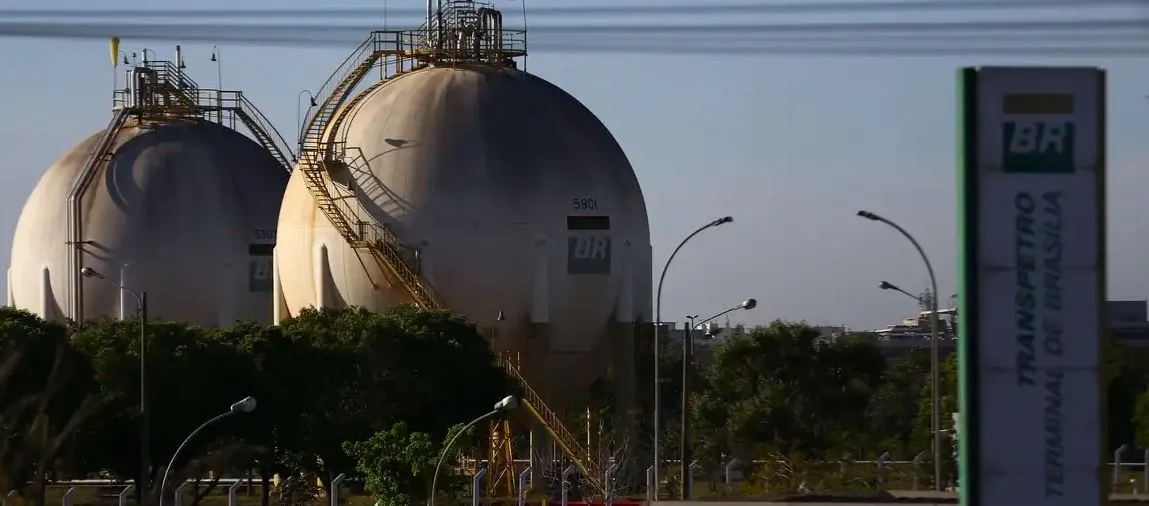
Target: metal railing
[{"x": 550, "y": 420}]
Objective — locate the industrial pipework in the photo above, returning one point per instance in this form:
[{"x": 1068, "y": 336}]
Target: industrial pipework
[{"x": 158, "y": 91}]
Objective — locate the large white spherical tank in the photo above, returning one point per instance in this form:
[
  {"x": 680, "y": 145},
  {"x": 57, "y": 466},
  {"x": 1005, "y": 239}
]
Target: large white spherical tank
[
  {"x": 184, "y": 210},
  {"x": 518, "y": 199}
]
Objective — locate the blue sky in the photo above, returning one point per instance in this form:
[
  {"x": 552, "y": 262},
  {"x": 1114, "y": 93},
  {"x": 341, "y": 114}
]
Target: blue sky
[{"x": 791, "y": 147}]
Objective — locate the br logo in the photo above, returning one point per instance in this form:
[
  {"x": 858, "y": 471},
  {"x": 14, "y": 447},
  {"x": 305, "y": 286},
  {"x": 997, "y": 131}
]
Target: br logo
[
  {"x": 1038, "y": 147},
  {"x": 588, "y": 254}
]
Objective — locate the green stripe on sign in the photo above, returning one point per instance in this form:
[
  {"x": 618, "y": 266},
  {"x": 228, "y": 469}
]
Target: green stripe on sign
[{"x": 1038, "y": 147}]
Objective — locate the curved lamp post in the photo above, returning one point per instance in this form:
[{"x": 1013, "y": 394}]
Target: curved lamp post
[
  {"x": 658, "y": 324},
  {"x": 886, "y": 285},
  {"x": 145, "y": 415},
  {"x": 508, "y": 403},
  {"x": 245, "y": 405},
  {"x": 684, "y": 456},
  {"x": 935, "y": 395}
]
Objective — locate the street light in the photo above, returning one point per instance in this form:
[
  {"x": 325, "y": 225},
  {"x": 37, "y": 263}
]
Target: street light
[
  {"x": 245, "y": 405},
  {"x": 658, "y": 323},
  {"x": 508, "y": 403},
  {"x": 886, "y": 285},
  {"x": 299, "y": 115},
  {"x": 935, "y": 369},
  {"x": 145, "y": 416},
  {"x": 217, "y": 57},
  {"x": 684, "y": 456}
]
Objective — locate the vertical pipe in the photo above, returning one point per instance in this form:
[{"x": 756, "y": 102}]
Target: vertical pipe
[
  {"x": 430, "y": 17},
  {"x": 319, "y": 270},
  {"x": 123, "y": 292},
  {"x": 278, "y": 304},
  {"x": 45, "y": 293}
]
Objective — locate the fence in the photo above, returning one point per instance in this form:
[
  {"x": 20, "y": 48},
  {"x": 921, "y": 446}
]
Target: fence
[
  {"x": 76, "y": 492},
  {"x": 732, "y": 479}
]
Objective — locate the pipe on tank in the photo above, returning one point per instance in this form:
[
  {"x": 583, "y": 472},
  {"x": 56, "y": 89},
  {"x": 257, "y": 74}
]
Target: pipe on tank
[
  {"x": 624, "y": 309},
  {"x": 430, "y": 17},
  {"x": 320, "y": 268},
  {"x": 278, "y": 303},
  {"x": 45, "y": 293},
  {"x": 497, "y": 21},
  {"x": 123, "y": 291}
]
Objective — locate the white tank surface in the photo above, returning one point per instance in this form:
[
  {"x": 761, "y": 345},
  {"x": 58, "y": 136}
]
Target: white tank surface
[
  {"x": 518, "y": 201},
  {"x": 184, "y": 210}
]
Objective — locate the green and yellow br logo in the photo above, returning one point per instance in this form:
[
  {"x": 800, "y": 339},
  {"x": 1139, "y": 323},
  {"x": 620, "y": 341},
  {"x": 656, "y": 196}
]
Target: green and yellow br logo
[{"x": 1038, "y": 147}]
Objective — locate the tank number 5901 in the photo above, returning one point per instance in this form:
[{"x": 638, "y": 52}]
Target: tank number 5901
[{"x": 584, "y": 204}]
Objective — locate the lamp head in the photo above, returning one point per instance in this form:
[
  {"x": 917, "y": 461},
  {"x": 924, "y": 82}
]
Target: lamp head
[
  {"x": 213, "y": 58},
  {"x": 722, "y": 221},
  {"x": 246, "y": 405},
  {"x": 313, "y": 104},
  {"x": 868, "y": 215},
  {"x": 89, "y": 272},
  {"x": 886, "y": 285},
  {"x": 501, "y": 316},
  {"x": 508, "y": 403},
  {"x": 749, "y": 304}
]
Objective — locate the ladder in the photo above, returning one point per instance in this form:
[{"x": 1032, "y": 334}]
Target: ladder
[
  {"x": 320, "y": 156},
  {"x": 262, "y": 130}
]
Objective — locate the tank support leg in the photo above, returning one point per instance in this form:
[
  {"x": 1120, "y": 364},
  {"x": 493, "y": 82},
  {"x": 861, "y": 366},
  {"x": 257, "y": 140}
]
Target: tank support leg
[{"x": 500, "y": 460}]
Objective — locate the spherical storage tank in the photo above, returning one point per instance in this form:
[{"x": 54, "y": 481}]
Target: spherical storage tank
[
  {"x": 517, "y": 200},
  {"x": 184, "y": 209}
]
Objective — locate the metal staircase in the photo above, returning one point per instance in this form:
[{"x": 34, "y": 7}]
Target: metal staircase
[
  {"x": 591, "y": 470},
  {"x": 321, "y": 156},
  {"x": 159, "y": 91},
  {"x": 261, "y": 128}
]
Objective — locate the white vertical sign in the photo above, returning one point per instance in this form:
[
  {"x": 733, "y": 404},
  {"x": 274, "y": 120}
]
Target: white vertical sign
[{"x": 1033, "y": 293}]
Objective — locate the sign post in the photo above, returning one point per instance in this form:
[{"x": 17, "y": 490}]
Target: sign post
[{"x": 1032, "y": 274}]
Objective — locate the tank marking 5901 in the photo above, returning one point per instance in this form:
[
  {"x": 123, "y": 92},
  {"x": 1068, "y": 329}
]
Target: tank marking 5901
[
  {"x": 264, "y": 234},
  {"x": 584, "y": 204}
]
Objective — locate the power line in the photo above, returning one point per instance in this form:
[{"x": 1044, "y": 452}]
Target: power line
[
  {"x": 1053, "y": 27},
  {"x": 644, "y": 10},
  {"x": 1082, "y": 37}
]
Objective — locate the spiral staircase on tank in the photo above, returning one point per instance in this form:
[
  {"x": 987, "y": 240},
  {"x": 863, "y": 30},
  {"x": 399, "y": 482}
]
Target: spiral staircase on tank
[{"x": 322, "y": 157}]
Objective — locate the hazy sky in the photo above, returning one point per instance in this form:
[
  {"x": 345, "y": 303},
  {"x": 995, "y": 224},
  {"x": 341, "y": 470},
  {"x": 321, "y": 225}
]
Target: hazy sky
[{"x": 791, "y": 147}]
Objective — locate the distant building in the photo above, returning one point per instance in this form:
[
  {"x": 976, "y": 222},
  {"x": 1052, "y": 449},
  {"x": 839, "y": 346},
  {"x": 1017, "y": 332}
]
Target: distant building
[
  {"x": 895, "y": 340},
  {"x": 1128, "y": 320}
]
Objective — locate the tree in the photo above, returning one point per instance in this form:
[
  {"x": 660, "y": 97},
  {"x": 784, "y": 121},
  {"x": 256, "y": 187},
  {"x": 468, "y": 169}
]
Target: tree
[
  {"x": 949, "y": 404},
  {"x": 398, "y": 465},
  {"x": 784, "y": 388},
  {"x": 191, "y": 379},
  {"x": 45, "y": 397},
  {"x": 429, "y": 369},
  {"x": 893, "y": 408},
  {"x": 289, "y": 377}
]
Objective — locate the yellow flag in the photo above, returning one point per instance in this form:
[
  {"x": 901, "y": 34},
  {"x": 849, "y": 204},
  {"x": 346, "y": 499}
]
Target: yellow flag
[{"x": 115, "y": 47}]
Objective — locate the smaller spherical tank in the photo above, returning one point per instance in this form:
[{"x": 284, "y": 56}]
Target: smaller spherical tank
[
  {"x": 519, "y": 201},
  {"x": 184, "y": 210}
]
